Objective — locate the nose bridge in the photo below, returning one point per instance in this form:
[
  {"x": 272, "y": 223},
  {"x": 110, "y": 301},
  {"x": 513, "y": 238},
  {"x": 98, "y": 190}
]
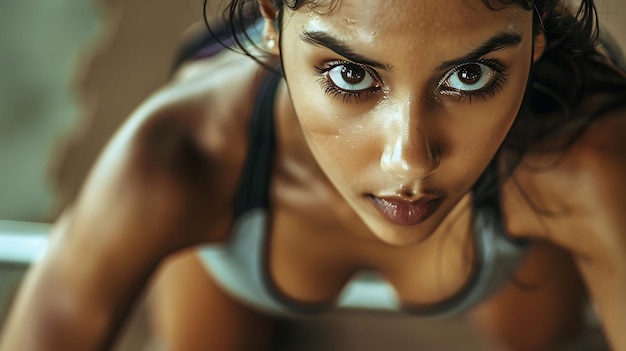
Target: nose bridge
[{"x": 408, "y": 148}]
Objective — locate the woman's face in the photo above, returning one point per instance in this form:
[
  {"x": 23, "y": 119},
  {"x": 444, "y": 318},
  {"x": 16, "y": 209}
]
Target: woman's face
[{"x": 404, "y": 103}]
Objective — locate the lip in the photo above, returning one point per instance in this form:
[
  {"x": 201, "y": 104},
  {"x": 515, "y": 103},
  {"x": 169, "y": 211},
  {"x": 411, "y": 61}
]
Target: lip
[{"x": 406, "y": 212}]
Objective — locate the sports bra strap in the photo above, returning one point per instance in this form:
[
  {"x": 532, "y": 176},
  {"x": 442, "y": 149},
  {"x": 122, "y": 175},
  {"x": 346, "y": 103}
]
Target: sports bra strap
[{"x": 253, "y": 191}]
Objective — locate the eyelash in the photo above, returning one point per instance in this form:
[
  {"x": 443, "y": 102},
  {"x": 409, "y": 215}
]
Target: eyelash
[
  {"x": 494, "y": 87},
  {"x": 348, "y": 96}
]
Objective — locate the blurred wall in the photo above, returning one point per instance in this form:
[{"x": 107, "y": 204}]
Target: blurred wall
[
  {"x": 133, "y": 57},
  {"x": 66, "y": 83},
  {"x": 612, "y": 14},
  {"x": 40, "y": 45}
]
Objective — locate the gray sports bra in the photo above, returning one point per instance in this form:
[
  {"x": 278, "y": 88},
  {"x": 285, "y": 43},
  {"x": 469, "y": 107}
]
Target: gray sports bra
[{"x": 240, "y": 264}]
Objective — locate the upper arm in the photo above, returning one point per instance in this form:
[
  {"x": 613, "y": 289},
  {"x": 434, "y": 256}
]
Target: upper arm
[
  {"x": 594, "y": 188},
  {"x": 159, "y": 176},
  {"x": 602, "y": 242},
  {"x": 576, "y": 200},
  {"x": 150, "y": 193},
  {"x": 542, "y": 308},
  {"x": 189, "y": 311}
]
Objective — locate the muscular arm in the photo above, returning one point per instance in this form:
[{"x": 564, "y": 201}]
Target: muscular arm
[
  {"x": 603, "y": 261},
  {"x": 151, "y": 184},
  {"x": 542, "y": 309},
  {"x": 188, "y": 311},
  {"x": 583, "y": 198},
  {"x": 75, "y": 298},
  {"x": 594, "y": 227}
]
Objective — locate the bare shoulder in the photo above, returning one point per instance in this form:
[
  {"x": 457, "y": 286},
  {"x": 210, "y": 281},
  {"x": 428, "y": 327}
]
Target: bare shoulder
[
  {"x": 210, "y": 98},
  {"x": 204, "y": 111},
  {"x": 595, "y": 164},
  {"x": 178, "y": 156},
  {"x": 580, "y": 191}
]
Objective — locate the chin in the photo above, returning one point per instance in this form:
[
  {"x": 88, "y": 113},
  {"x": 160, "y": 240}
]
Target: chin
[{"x": 404, "y": 236}]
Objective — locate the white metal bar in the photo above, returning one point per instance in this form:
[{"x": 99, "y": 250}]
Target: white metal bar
[{"x": 22, "y": 242}]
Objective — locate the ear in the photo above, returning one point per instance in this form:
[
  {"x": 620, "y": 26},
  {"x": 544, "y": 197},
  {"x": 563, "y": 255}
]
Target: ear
[
  {"x": 270, "y": 30},
  {"x": 539, "y": 46}
]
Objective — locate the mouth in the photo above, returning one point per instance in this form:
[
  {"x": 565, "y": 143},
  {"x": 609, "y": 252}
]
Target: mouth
[{"x": 406, "y": 212}]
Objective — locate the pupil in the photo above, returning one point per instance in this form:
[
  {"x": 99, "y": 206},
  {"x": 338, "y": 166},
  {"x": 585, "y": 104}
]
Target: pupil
[
  {"x": 470, "y": 74},
  {"x": 352, "y": 74}
]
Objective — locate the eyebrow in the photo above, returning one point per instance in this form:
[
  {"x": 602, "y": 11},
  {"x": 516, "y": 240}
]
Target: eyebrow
[
  {"x": 323, "y": 39},
  {"x": 500, "y": 41}
]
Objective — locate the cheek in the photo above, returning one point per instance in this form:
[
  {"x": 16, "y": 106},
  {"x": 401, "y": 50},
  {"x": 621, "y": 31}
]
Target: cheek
[
  {"x": 340, "y": 144},
  {"x": 488, "y": 122},
  {"x": 480, "y": 128},
  {"x": 338, "y": 134}
]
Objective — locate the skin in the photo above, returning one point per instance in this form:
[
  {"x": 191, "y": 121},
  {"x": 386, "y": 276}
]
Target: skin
[{"x": 174, "y": 168}]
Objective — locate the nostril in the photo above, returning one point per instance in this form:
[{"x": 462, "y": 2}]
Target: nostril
[{"x": 407, "y": 191}]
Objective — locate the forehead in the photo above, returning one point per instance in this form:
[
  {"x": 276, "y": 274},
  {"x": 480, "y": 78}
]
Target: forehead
[{"x": 367, "y": 20}]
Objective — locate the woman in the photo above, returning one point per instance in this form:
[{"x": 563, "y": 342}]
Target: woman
[{"x": 403, "y": 136}]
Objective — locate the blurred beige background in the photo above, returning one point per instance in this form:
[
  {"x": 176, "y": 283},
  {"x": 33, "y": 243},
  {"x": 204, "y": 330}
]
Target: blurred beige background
[
  {"x": 40, "y": 42},
  {"x": 70, "y": 72}
]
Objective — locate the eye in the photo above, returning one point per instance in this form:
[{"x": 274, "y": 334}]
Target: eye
[
  {"x": 468, "y": 77},
  {"x": 347, "y": 80},
  {"x": 351, "y": 77},
  {"x": 474, "y": 80}
]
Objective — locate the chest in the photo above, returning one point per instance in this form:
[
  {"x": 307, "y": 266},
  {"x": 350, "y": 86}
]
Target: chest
[{"x": 316, "y": 244}]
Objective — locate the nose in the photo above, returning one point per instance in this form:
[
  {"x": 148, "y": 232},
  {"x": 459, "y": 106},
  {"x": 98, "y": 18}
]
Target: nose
[{"x": 409, "y": 154}]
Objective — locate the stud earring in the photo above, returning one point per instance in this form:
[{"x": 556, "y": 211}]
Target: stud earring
[{"x": 271, "y": 43}]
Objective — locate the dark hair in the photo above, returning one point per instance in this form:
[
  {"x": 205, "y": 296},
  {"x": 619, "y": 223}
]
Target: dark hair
[
  {"x": 578, "y": 62},
  {"x": 574, "y": 32}
]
